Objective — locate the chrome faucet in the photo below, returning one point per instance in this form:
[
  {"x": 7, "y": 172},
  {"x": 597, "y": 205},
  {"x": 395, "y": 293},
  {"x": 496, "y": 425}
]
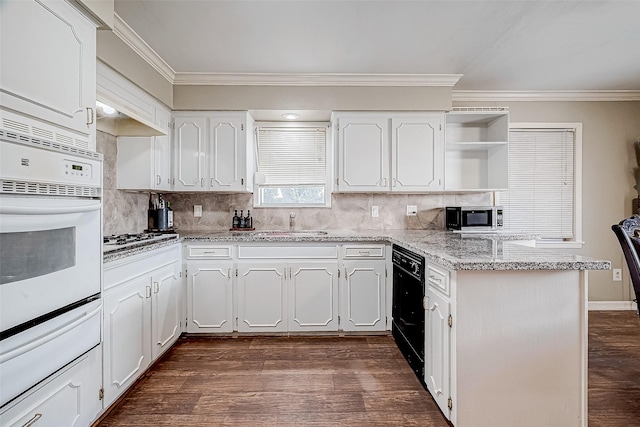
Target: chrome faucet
[{"x": 292, "y": 221}]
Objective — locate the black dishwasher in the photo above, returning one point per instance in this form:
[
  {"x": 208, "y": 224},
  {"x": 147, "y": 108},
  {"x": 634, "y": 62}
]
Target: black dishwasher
[{"x": 408, "y": 310}]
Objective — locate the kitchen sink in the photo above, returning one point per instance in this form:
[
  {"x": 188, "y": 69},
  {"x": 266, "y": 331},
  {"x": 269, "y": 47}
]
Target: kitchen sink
[{"x": 268, "y": 233}]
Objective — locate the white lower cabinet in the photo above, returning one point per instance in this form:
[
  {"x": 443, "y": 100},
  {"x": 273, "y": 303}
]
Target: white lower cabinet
[
  {"x": 437, "y": 357},
  {"x": 262, "y": 297},
  {"x": 271, "y": 288},
  {"x": 68, "y": 398},
  {"x": 166, "y": 308},
  {"x": 142, "y": 315},
  {"x": 210, "y": 296},
  {"x": 313, "y": 296},
  {"x": 363, "y": 296}
]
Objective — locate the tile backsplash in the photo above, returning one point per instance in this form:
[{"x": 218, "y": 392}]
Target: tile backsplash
[{"x": 126, "y": 212}]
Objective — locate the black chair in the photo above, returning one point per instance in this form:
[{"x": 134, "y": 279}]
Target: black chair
[{"x": 626, "y": 232}]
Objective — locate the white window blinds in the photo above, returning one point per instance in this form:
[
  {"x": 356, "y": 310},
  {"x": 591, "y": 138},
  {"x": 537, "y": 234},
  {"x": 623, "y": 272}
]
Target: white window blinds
[
  {"x": 541, "y": 195},
  {"x": 292, "y": 156}
]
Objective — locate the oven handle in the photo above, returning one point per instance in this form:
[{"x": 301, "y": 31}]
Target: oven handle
[
  {"x": 48, "y": 337},
  {"x": 41, "y": 210}
]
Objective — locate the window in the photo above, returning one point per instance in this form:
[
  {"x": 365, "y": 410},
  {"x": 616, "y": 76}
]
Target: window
[
  {"x": 292, "y": 165},
  {"x": 545, "y": 186}
]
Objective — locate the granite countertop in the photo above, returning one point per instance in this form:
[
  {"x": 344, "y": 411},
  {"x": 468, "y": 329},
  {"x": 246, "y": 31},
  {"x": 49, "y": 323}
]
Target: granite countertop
[
  {"x": 112, "y": 253},
  {"x": 457, "y": 251}
]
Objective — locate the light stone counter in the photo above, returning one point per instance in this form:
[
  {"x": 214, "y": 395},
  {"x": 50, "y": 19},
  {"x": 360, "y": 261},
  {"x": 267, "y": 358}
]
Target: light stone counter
[{"x": 457, "y": 251}]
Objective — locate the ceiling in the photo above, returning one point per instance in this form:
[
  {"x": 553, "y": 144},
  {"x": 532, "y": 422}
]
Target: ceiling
[{"x": 496, "y": 45}]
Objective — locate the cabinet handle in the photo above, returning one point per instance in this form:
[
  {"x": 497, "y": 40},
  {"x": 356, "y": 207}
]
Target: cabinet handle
[
  {"x": 201, "y": 182},
  {"x": 90, "y": 118},
  {"x": 241, "y": 181},
  {"x": 229, "y": 274},
  {"x": 365, "y": 253},
  {"x": 33, "y": 420},
  {"x": 158, "y": 180},
  {"x": 209, "y": 253},
  {"x": 148, "y": 290},
  {"x": 211, "y": 182},
  {"x": 383, "y": 182},
  {"x": 435, "y": 279},
  {"x": 156, "y": 287},
  {"x": 393, "y": 182}
]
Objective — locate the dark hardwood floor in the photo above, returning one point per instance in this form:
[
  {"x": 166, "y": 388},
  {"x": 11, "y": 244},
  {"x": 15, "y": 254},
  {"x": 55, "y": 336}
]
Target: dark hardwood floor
[{"x": 342, "y": 381}]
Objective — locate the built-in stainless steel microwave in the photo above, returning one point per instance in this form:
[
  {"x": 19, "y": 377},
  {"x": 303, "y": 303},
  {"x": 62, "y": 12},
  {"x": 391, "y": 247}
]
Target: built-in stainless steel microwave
[{"x": 474, "y": 218}]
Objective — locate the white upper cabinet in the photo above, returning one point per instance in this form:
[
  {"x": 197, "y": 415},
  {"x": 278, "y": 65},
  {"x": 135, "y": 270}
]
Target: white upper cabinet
[
  {"x": 363, "y": 153},
  {"x": 189, "y": 144},
  {"x": 144, "y": 163},
  {"x": 417, "y": 156},
  {"x": 477, "y": 149},
  {"x": 213, "y": 151},
  {"x": 48, "y": 71},
  {"x": 389, "y": 152}
]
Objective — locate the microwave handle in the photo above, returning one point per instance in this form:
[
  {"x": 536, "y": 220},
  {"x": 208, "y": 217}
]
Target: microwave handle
[
  {"x": 41, "y": 210},
  {"x": 48, "y": 337}
]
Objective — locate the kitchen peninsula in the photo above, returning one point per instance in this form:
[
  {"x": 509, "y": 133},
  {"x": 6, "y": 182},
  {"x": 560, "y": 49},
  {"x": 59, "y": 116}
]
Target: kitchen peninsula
[{"x": 506, "y": 324}]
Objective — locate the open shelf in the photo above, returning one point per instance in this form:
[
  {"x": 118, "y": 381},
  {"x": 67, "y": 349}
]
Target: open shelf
[{"x": 477, "y": 150}]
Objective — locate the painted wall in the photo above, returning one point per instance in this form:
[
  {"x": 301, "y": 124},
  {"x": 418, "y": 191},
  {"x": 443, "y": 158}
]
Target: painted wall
[
  {"x": 608, "y": 159},
  {"x": 115, "y": 53},
  {"x": 311, "y": 98}
]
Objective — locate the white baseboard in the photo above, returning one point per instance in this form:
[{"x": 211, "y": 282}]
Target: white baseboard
[{"x": 612, "y": 305}]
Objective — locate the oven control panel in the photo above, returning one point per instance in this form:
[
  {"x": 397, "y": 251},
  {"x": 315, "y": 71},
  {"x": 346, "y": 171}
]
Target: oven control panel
[
  {"x": 29, "y": 164},
  {"x": 78, "y": 170}
]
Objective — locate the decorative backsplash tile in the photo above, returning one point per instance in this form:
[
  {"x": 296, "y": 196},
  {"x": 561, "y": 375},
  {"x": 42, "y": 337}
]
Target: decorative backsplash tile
[{"x": 126, "y": 212}]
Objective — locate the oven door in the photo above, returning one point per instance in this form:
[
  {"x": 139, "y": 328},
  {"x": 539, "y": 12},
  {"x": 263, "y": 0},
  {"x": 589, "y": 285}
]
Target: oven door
[{"x": 51, "y": 257}]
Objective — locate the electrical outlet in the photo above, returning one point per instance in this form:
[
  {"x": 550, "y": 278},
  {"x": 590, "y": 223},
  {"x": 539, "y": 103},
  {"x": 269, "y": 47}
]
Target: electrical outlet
[
  {"x": 412, "y": 210},
  {"x": 197, "y": 211},
  {"x": 374, "y": 212},
  {"x": 617, "y": 275}
]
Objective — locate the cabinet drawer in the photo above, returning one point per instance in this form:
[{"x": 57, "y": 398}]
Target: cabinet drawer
[
  {"x": 288, "y": 252},
  {"x": 364, "y": 251},
  {"x": 438, "y": 278},
  {"x": 209, "y": 252},
  {"x": 68, "y": 398}
]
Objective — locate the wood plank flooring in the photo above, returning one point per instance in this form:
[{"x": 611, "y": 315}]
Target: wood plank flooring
[{"x": 342, "y": 381}]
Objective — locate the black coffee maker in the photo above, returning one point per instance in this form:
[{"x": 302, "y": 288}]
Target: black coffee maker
[{"x": 160, "y": 215}]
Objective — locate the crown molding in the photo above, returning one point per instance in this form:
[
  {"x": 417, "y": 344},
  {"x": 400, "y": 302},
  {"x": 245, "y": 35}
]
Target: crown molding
[
  {"x": 320, "y": 79},
  {"x": 139, "y": 46},
  {"x": 546, "y": 95}
]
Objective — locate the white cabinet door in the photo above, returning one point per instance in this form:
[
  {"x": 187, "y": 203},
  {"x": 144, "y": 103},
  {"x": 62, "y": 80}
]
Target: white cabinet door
[
  {"x": 262, "y": 297},
  {"x": 417, "y": 157},
  {"x": 48, "y": 66},
  {"x": 210, "y": 296},
  {"x": 190, "y": 148},
  {"x": 162, "y": 152},
  {"x": 68, "y": 398},
  {"x": 437, "y": 355},
  {"x": 313, "y": 296},
  {"x": 363, "y": 296},
  {"x": 363, "y": 154},
  {"x": 227, "y": 154},
  {"x": 127, "y": 336},
  {"x": 166, "y": 309}
]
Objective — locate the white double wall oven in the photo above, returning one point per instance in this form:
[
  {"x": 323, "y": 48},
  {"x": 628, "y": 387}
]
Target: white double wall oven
[{"x": 51, "y": 258}]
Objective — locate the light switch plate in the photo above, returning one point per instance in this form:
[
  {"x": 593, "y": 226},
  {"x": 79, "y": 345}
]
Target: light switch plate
[
  {"x": 412, "y": 210},
  {"x": 374, "y": 212},
  {"x": 197, "y": 211}
]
